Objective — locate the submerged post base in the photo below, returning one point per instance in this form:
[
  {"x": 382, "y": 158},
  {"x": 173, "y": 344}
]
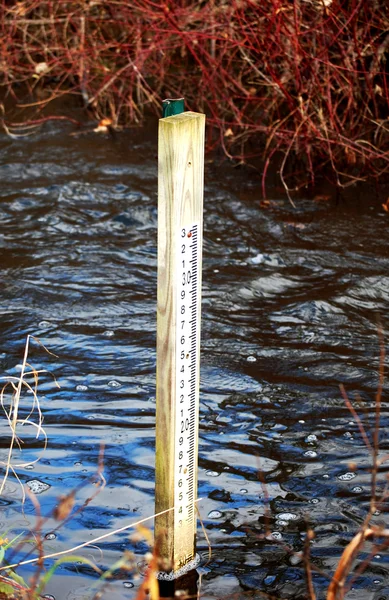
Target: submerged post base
[
  {"x": 172, "y": 575},
  {"x": 185, "y": 585}
]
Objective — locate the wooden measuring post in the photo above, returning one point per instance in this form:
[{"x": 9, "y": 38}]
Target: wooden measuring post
[{"x": 180, "y": 216}]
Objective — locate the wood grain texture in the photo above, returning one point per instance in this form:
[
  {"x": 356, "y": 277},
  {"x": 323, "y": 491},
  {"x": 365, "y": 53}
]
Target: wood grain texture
[{"x": 180, "y": 202}]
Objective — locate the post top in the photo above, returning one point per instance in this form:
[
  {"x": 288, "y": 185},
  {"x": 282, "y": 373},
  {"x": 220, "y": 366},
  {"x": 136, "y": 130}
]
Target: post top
[{"x": 179, "y": 118}]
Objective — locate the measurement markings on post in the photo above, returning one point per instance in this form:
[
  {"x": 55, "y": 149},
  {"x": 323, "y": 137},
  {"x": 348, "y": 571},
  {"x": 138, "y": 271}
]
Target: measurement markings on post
[{"x": 187, "y": 374}]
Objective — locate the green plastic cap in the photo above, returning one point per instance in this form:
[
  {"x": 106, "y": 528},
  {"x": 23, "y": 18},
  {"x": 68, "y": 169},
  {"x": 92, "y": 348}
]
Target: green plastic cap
[{"x": 172, "y": 106}]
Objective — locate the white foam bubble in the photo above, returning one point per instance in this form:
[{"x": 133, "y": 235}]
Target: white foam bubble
[
  {"x": 37, "y": 487},
  {"x": 276, "y": 535},
  {"x": 81, "y": 388},
  {"x": 114, "y": 384},
  {"x": 295, "y": 559},
  {"x": 256, "y": 260},
  {"x": 215, "y": 514},
  {"x": 287, "y": 516},
  {"x": 347, "y": 476}
]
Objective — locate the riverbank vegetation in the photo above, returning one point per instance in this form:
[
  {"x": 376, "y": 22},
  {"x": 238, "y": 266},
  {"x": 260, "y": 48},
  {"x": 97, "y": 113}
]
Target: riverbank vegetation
[{"x": 300, "y": 82}]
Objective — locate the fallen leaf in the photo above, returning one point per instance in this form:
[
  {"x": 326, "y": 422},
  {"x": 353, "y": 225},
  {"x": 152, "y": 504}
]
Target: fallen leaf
[
  {"x": 103, "y": 126},
  {"x": 265, "y": 204},
  {"x": 351, "y": 157},
  {"x": 378, "y": 90},
  {"x": 41, "y": 68},
  {"x": 64, "y": 508},
  {"x": 386, "y": 206},
  {"x": 268, "y": 204},
  {"x": 228, "y": 132},
  {"x": 322, "y": 198},
  {"x": 20, "y": 9}
]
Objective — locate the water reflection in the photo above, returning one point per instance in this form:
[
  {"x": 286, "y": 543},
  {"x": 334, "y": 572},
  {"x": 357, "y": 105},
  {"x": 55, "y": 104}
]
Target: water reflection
[{"x": 289, "y": 312}]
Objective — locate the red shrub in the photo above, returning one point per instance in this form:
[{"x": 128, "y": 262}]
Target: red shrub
[{"x": 292, "y": 78}]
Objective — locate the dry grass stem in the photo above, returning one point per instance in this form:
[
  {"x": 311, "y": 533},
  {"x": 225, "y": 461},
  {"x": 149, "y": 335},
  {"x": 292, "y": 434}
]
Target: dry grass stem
[
  {"x": 338, "y": 586},
  {"x": 10, "y": 401}
]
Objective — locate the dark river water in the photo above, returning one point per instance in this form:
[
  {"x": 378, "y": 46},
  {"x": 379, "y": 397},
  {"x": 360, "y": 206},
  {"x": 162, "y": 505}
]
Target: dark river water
[{"x": 291, "y": 299}]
